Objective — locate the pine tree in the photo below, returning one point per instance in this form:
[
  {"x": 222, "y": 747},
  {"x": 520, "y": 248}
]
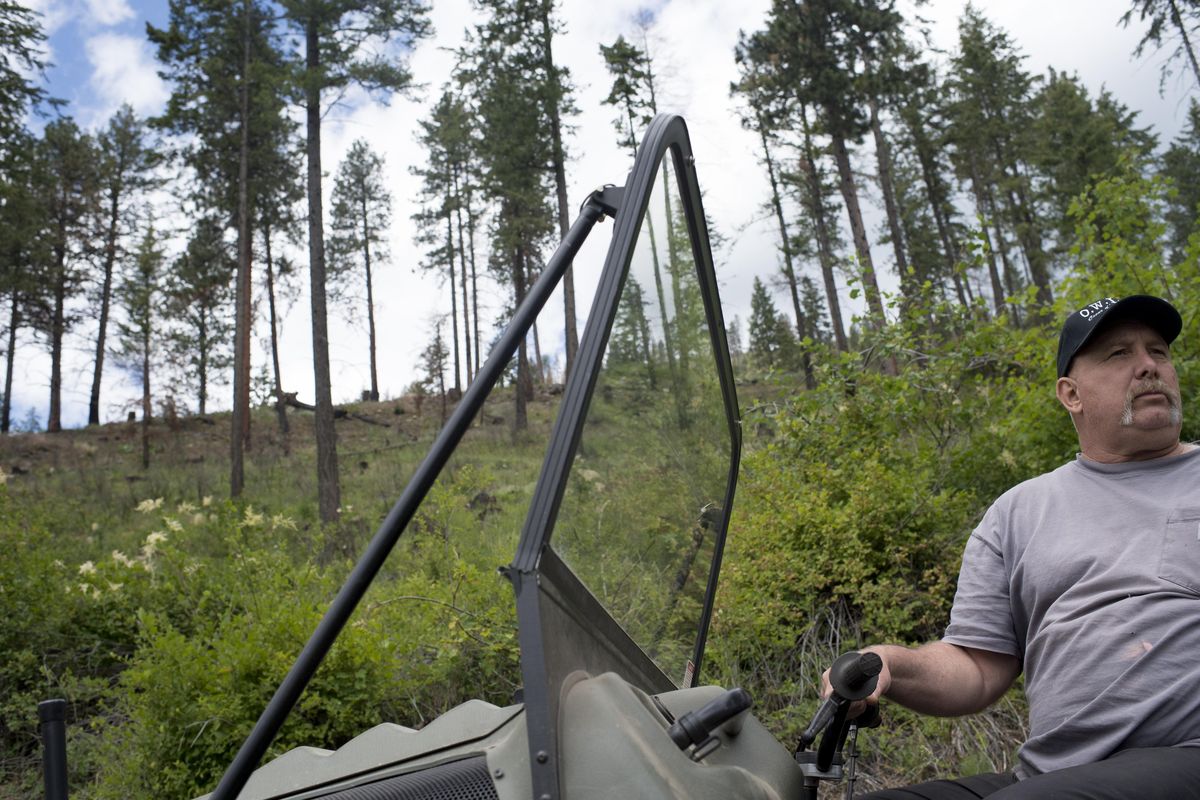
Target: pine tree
[
  {"x": 22, "y": 237},
  {"x": 65, "y": 180},
  {"x": 771, "y": 341},
  {"x": 344, "y": 45},
  {"x": 21, "y": 57},
  {"x": 362, "y": 214},
  {"x": 228, "y": 101},
  {"x": 126, "y": 159},
  {"x": 434, "y": 360},
  {"x": 138, "y": 296},
  {"x": 197, "y": 298},
  {"x": 514, "y": 139},
  {"x": 1181, "y": 164},
  {"x": 1169, "y": 19},
  {"x": 990, "y": 108}
]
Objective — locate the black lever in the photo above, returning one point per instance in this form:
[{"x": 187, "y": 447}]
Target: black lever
[
  {"x": 695, "y": 727},
  {"x": 853, "y": 677}
]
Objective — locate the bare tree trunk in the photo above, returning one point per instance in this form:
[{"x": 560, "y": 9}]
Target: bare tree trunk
[
  {"x": 789, "y": 271},
  {"x": 328, "y": 490},
  {"x": 57, "y": 331},
  {"x": 1177, "y": 20},
  {"x": 816, "y": 209},
  {"x": 560, "y": 184},
  {"x": 240, "y": 427},
  {"x": 146, "y": 398},
  {"x": 453, "y": 301},
  {"x": 883, "y": 156},
  {"x": 14, "y": 321},
  {"x": 462, "y": 274},
  {"x": 524, "y": 386},
  {"x": 370, "y": 302},
  {"x": 110, "y": 258},
  {"x": 280, "y": 406},
  {"x": 858, "y": 231}
]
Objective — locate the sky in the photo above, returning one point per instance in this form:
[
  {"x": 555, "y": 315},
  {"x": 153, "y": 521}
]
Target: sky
[{"x": 101, "y": 59}]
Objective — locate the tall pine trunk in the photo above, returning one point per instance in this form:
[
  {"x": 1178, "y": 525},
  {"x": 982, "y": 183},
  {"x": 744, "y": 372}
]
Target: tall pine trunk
[
  {"x": 789, "y": 270},
  {"x": 883, "y": 158},
  {"x": 145, "y": 397},
  {"x": 328, "y": 490},
  {"x": 858, "y": 231},
  {"x": 813, "y": 198},
  {"x": 58, "y": 327},
  {"x": 560, "y": 183},
  {"x": 370, "y": 301},
  {"x": 280, "y": 406},
  {"x": 14, "y": 321},
  {"x": 453, "y": 300},
  {"x": 110, "y": 258},
  {"x": 240, "y": 428}
]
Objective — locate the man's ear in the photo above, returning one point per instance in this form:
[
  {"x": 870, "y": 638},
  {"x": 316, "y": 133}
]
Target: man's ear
[{"x": 1067, "y": 391}]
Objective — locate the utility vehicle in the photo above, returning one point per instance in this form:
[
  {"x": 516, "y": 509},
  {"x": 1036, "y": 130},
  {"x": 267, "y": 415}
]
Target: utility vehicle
[{"x": 614, "y": 594}]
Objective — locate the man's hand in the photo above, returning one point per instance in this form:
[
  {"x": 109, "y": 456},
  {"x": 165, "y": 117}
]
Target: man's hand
[{"x": 938, "y": 678}]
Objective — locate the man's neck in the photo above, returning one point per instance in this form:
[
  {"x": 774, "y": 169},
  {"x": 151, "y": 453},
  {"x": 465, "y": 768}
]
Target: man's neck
[{"x": 1102, "y": 456}]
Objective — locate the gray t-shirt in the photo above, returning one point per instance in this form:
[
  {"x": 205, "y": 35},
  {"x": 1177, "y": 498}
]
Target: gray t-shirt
[{"x": 1090, "y": 574}]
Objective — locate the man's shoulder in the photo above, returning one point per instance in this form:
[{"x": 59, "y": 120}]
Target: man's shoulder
[{"x": 1047, "y": 482}]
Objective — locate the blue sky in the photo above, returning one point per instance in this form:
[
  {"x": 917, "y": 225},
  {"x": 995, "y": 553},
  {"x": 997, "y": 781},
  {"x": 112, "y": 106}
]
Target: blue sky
[{"x": 101, "y": 59}]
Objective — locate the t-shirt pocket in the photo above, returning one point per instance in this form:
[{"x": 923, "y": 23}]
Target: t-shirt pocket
[{"x": 1181, "y": 549}]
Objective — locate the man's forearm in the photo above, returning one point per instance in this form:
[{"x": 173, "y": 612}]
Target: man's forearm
[{"x": 944, "y": 679}]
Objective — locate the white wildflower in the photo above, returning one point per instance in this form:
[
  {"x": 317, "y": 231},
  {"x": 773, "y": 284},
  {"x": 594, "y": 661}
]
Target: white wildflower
[
  {"x": 95, "y": 527},
  {"x": 146, "y": 506},
  {"x": 199, "y": 518},
  {"x": 283, "y": 521},
  {"x": 87, "y": 568},
  {"x": 121, "y": 558},
  {"x": 207, "y": 501},
  {"x": 185, "y": 507},
  {"x": 114, "y": 587},
  {"x": 252, "y": 517},
  {"x": 175, "y": 525}
]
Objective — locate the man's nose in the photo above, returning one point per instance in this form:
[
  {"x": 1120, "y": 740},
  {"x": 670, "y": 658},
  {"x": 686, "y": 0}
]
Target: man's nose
[{"x": 1147, "y": 365}]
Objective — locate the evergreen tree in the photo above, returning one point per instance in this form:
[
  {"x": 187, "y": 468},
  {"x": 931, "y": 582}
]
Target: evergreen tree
[
  {"x": 771, "y": 340},
  {"x": 514, "y": 139},
  {"x": 138, "y": 296},
  {"x": 65, "y": 181},
  {"x": 227, "y": 102},
  {"x": 197, "y": 297},
  {"x": 1170, "y": 19},
  {"x": 434, "y": 360},
  {"x": 1073, "y": 141},
  {"x": 989, "y": 110},
  {"x": 21, "y": 37},
  {"x": 1181, "y": 164},
  {"x": 344, "y": 46},
  {"x": 22, "y": 235},
  {"x": 446, "y": 220},
  {"x": 362, "y": 214},
  {"x": 126, "y": 159}
]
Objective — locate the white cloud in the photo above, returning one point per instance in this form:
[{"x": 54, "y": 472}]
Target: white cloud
[
  {"x": 124, "y": 72},
  {"x": 108, "y": 12}
]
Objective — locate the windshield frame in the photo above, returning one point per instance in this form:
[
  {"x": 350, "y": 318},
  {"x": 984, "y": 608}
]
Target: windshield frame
[{"x": 562, "y": 628}]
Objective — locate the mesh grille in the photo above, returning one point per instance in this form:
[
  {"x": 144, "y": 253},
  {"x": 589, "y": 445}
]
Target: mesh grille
[{"x": 467, "y": 779}]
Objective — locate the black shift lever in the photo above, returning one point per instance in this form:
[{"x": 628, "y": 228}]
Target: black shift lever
[{"x": 695, "y": 727}]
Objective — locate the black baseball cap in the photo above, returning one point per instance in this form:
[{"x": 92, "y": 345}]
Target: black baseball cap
[{"x": 1082, "y": 325}]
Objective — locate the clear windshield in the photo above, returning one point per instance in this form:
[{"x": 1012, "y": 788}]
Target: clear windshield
[{"x": 638, "y": 519}]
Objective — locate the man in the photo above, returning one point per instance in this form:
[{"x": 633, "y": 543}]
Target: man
[{"x": 1088, "y": 579}]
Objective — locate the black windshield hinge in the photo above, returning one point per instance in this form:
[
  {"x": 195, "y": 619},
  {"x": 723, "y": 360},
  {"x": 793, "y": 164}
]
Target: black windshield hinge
[{"x": 609, "y": 197}]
